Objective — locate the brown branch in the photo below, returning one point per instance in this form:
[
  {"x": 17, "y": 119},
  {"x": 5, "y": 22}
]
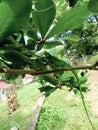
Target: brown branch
[{"x": 36, "y": 73}]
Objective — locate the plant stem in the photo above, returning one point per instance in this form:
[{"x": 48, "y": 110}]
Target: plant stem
[{"x": 82, "y": 97}]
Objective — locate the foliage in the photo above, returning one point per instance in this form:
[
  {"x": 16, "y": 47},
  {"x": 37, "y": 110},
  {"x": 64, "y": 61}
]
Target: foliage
[
  {"x": 70, "y": 20},
  {"x": 70, "y": 110},
  {"x": 50, "y": 115},
  {"x": 13, "y": 16},
  {"x": 83, "y": 39},
  {"x": 93, "y": 59},
  {"x": 29, "y": 37},
  {"x": 42, "y": 11},
  {"x": 93, "y": 4}
]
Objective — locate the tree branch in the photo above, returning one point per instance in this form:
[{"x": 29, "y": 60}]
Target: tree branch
[{"x": 36, "y": 73}]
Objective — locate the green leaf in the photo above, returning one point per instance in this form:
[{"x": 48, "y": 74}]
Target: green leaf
[
  {"x": 53, "y": 44},
  {"x": 93, "y": 5},
  {"x": 74, "y": 37},
  {"x": 44, "y": 15},
  {"x": 16, "y": 58},
  {"x": 13, "y": 16},
  {"x": 49, "y": 79},
  {"x": 83, "y": 80},
  {"x": 48, "y": 90},
  {"x": 70, "y": 20},
  {"x": 56, "y": 50}
]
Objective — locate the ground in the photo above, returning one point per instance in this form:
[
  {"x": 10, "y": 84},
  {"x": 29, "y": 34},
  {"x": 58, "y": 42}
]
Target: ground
[
  {"x": 93, "y": 93},
  {"x": 70, "y": 108}
]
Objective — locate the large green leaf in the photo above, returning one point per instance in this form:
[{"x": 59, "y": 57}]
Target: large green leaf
[
  {"x": 70, "y": 20},
  {"x": 56, "y": 50},
  {"x": 43, "y": 15},
  {"x": 74, "y": 38},
  {"x": 13, "y": 16},
  {"x": 93, "y": 5},
  {"x": 49, "y": 79}
]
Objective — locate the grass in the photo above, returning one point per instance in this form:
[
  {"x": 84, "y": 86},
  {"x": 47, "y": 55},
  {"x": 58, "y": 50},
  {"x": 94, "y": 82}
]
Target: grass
[
  {"x": 62, "y": 110},
  {"x": 71, "y": 113},
  {"x": 27, "y": 96}
]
